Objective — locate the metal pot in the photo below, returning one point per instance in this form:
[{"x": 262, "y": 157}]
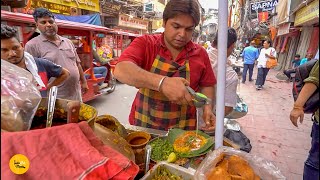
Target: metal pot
[{"x": 86, "y": 113}]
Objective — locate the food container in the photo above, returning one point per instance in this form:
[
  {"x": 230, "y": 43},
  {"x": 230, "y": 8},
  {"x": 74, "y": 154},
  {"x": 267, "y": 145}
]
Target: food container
[
  {"x": 138, "y": 140},
  {"x": 86, "y": 113},
  {"x": 186, "y": 174}
]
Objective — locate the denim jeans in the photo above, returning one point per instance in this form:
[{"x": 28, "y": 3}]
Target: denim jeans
[
  {"x": 245, "y": 69},
  {"x": 261, "y": 76},
  {"x": 101, "y": 70},
  {"x": 311, "y": 166}
]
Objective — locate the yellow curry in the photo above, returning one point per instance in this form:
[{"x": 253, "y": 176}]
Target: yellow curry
[{"x": 189, "y": 141}]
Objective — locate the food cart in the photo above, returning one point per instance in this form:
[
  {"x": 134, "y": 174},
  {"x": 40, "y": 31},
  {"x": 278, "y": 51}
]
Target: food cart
[{"x": 109, "y": 123}]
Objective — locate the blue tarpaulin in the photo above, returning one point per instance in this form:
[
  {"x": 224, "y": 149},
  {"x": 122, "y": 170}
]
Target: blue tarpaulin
[{"x": 88, "y": 19}]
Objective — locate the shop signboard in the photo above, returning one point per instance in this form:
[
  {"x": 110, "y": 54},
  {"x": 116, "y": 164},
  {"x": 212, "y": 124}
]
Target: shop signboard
[
  {"x": 263, "y": 6},
  {"x": 307, "y": 14},
  {"x": 90, "y": 5},
  {"x": 55, "y": 8},
  {"x": 126, "y": 21},
  {"x": 263, "y": 16},
  {"x": 283, "y": 29},
  {"x": 109, "y": 8}
]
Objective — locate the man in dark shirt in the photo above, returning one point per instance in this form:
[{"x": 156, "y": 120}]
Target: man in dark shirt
[
  {"x": 294, "y": 63},
  {"x": 41, "y": 69}
]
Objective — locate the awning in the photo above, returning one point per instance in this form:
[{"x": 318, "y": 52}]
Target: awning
[{"x": 93, "y": 19}]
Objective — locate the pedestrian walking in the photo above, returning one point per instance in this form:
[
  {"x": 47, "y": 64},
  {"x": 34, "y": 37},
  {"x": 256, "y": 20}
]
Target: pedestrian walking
[
  {"x": 250, "y": 54},
  {"x": 162, "y": 65},
  {"x": 61, "y": 51},
  {"x": 311, "y": 166},
  {"x": 266, "y": 52}
]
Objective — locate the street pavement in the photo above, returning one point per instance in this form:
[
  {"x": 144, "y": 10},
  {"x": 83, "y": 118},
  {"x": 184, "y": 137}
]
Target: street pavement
[
  {"x": 269, "y": 128},
  {"x": 267, "y": 123}
]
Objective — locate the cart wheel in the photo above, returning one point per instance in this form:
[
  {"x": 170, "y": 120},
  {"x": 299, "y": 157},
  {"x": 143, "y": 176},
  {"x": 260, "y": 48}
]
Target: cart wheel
[{"x": 112, "y": 83}]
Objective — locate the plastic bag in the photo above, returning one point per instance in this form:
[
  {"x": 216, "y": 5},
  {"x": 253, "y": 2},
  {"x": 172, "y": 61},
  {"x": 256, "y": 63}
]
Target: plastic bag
[
  {"x": 20, "y": 98},
  {"x": 261, "y": 167},
  {"x": 240, "y": 110},
  {"x": 239, "y": 138}
]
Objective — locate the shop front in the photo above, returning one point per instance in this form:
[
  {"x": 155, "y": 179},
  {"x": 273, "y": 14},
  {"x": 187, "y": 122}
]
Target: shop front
[
  {"x": 65, "y": 7},
  {"x": 308, "y": 19}
]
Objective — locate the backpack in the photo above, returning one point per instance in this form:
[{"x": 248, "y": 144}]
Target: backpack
[{"x": 302, "y": 72}]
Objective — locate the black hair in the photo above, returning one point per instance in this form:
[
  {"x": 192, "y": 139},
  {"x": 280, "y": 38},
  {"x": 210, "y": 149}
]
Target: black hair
[
  {"x": 232, "y": 37},
  {"x": 269, "y": 42},
  {"x": 8, "y": 32},
  {"x": 42, "y": 12},
  {"x": 176, "y": 7},
  {"x": 297, "y": 56}
]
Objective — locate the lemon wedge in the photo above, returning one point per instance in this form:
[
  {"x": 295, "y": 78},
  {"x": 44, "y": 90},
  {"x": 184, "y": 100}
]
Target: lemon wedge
[{"x": 172, "y": 157}]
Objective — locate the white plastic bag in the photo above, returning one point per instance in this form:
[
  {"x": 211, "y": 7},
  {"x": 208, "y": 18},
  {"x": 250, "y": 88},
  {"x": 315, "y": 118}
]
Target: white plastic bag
[
  {"x": 20, "y": 98},
  {"x": 263, "y": 168}
]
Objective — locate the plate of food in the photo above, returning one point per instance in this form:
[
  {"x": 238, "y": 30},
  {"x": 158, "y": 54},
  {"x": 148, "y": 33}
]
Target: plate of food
[
  {"x": 190, "y": 143},
  {"x": 179, "y": 146}
]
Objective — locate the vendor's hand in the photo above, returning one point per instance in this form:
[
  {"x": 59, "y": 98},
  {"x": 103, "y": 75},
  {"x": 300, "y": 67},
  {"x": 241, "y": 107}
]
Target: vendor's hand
[
  {"x": 209, "y": 118},
  {"x": 174, "y": 88},
  {"x": 296, "y": 112},
  {"x": 84, "y": 87}
]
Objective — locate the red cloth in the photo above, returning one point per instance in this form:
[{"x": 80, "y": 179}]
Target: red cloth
[
  {"x": 143, "y": 50},
  {"x": 314, "y": 42},
  {"x": 70, "y": 151}
]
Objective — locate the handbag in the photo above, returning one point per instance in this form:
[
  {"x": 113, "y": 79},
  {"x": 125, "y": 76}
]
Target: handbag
[{"x": 272, "y": 62}]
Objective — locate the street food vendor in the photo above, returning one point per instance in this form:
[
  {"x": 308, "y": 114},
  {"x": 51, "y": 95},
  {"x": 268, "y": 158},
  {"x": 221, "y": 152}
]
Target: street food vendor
[{"x": 162, "y": 65}]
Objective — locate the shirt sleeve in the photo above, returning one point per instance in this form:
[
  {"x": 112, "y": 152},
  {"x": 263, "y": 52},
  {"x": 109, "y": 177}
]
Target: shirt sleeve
[
  {"x": 274, "y": 52},
  {"x": 231, "y": 88},
  {"x": 52, "y": 69},
  {"x": 136, "y": 52},
  {"x": 208, "y": 78},
  {"x": 31, "y": 49},
  {"x": 314, "y": 75}
]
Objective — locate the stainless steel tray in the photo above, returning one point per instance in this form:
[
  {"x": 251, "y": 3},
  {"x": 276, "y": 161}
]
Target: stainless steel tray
[{"x": 186, "y": 174}]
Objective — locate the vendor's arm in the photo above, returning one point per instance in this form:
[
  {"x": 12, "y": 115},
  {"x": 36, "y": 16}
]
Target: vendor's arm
[
  {"x": 172, "y": 87},
  {"x": 310, "y": 86},
  {"x": 208, "y": 116}
]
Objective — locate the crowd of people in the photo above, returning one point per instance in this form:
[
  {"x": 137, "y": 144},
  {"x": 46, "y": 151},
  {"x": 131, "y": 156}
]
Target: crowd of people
[{"x": 160, "y": 66}]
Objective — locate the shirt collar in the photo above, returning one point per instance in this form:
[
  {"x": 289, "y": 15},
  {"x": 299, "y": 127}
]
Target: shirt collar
[
  {"x": 43, "y": 38},
  {"x": 189, "y": 46}
]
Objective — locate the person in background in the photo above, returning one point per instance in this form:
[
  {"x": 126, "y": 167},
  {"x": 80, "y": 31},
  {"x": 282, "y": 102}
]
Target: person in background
[
  {"x": 161, "y": 66},
  {"x": 231, "y": 75},
  {"x": 266, "y": 52},
  {"x": 311, "y": 166},
  {"x": 99, "y": 69},
  {"x": 60, "y": 50},
  {"x": 294, "y": 63},
  {"x": 41, "y": 69},
  {"x": 249, "y": 54},
  {"x": 307, "y": 58}
]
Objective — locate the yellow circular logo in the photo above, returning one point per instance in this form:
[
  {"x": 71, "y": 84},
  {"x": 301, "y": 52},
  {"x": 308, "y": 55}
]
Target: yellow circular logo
[{"x": 19, "y": 164}]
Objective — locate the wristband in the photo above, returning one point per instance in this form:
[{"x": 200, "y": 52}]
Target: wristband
[{"x": 160, "y": 83}]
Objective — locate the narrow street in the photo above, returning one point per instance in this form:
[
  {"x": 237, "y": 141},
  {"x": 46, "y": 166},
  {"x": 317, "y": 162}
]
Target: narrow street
[{"x": 267, "y": 123}]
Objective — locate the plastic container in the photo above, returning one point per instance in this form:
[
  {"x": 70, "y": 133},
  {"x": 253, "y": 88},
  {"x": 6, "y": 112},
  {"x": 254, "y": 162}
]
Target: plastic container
[{"x": 186, "y": 174}]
